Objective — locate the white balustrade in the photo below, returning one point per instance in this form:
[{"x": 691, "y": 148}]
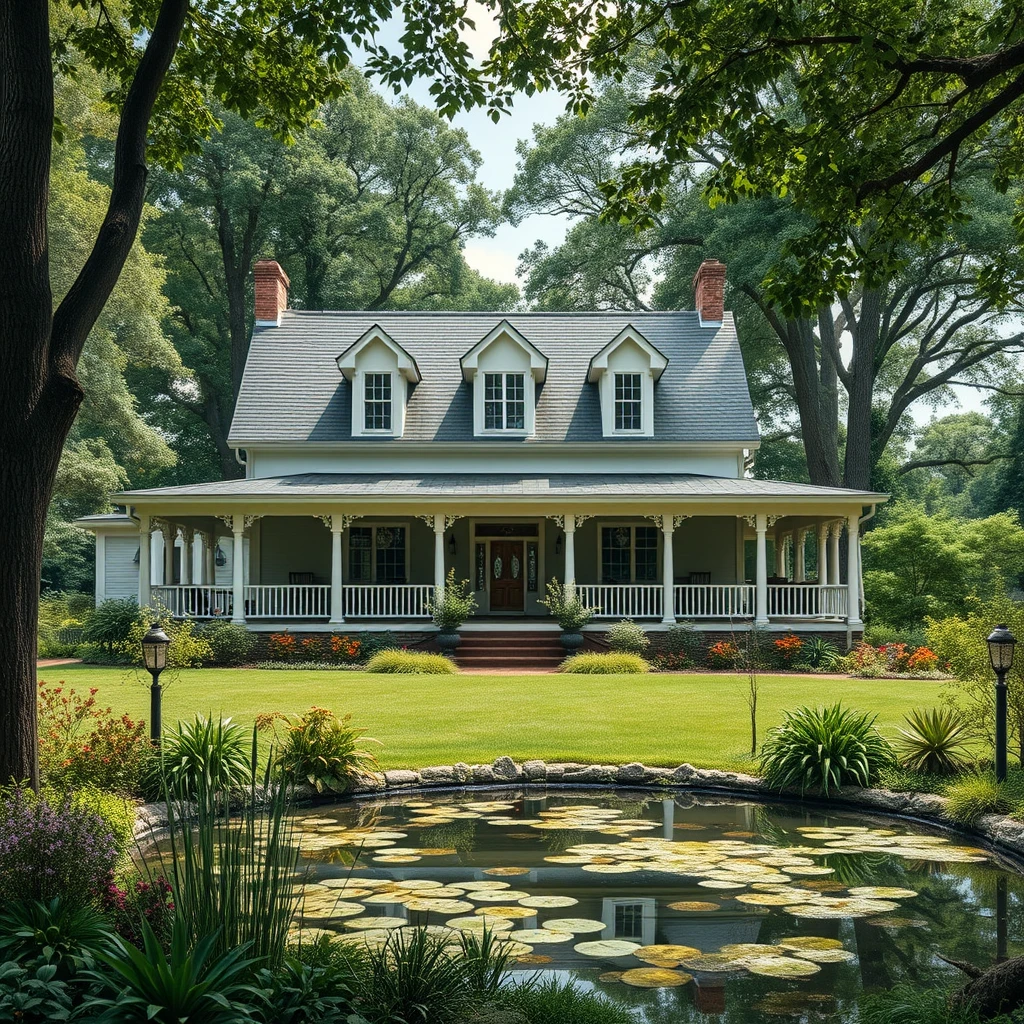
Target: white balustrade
[
  {"x": 806, "y": 601},
  {"x": 388, "y": 601},
  {"x": 622, "y": 600},
  {"x": 714, "y": 601},
  {"x": 193, "y": 601},
  {"x": 292, "y": 601}
]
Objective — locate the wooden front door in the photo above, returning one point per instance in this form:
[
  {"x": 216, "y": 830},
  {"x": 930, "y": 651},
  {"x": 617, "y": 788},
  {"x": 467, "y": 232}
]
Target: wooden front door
[{"x": 507, "y": 576}]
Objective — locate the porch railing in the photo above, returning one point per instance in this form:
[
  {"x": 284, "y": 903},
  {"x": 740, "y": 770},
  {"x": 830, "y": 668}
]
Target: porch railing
[
  {"x": 387, "y": 601},
  {"x": 194, "y": 601},
  {"x": 714, "y": 601},
  {"x": 622, "y": 600},
  {"x": 293, "y": 601},
  {"x": 806, "y": 601}
]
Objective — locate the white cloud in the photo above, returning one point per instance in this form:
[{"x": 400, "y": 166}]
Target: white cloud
[{"x": 499, "y": 264}]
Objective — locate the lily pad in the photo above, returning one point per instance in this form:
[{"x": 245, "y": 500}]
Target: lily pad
[
  {"x": 606, "y": 948},
  {"x": 654, "y": 977}
]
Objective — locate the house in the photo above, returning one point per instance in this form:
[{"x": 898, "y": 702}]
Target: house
[{"x": 381, "y": 449}]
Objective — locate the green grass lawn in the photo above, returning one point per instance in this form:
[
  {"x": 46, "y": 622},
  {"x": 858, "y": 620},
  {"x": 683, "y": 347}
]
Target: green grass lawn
[{"x": 423, "y": 720}]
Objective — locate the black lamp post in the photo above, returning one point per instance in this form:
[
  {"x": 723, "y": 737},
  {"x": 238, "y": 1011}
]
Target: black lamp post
[
  {"x": 154, "y": 657},
  {"x": 1000, "y": 653}
]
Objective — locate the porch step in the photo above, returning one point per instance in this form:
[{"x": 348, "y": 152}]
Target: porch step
[{"x": 510, "y": 651}]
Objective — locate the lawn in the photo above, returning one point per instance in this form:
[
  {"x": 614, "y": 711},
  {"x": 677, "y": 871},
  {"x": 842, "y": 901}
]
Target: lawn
[{"x": 423, "y": 720}]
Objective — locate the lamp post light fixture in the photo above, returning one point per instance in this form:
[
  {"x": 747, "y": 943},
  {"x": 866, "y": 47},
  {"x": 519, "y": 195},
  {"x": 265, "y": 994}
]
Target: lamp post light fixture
[
  {"x": 154, "y": 657},
  {"x": 1000, "y": 653}
]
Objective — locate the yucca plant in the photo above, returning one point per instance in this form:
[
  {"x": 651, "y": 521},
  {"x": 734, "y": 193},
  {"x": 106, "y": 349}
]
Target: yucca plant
[
  {"x": 206, "y": 753},
  {"x": 824, "y": 748},
  {"x": 934, "y": 741},
  {"x": 485, "y": 963},
  {"x": 66, "y": 935}
]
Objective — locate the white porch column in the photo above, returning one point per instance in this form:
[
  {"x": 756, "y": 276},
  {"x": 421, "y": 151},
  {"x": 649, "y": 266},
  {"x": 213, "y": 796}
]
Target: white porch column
[
  {"x": 238, "y": 570},
  {"x": 337, "y": 590},
  {"x": 761, "y": 577},
  {"x": 780, "y": 554},
  {"x": 834, "y": 529},
  {"x": 170, "y": 535},
  {"x": 209, "y": 554},
  {"x": 822, "y": 536},
  {"x": 668, "y": 603},
  {"x": 100, "y": 590},
  {"x": 668, "y": 818},
  {"x": 187, "y": 537},
  {"x": 144, "y": 561},
  {"x": 853, "y": 570},
  {"x": 438, "y": 556},
  {"x": 799, "y": 556},
  {"x": 570, "y": 552}
]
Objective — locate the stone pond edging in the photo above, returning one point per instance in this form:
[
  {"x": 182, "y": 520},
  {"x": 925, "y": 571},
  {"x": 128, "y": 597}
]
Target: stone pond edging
[{"x": 1002, "y": 832}]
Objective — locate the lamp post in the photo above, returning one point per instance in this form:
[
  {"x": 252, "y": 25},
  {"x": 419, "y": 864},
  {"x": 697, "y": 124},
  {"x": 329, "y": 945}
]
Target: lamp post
[
  {"x": 154, "y": 657},
  {"x": 1000, "y": 653}
]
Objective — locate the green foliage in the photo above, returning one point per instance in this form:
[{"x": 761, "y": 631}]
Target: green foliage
[
  {"x": 411, "y": 663},
  {"x": 205, "y": 754},
  {"x": 61, "y": 933},
  {"x": 819, "y": 653},
  {"x": 230, "y": 644},
  {"x": 824, "y": 748},
  {"x": 565, "y": 606},
  {"x": 554, "y": 1001},
  {"x": 61, "y": 622},
  {"x": 373, "y": 643},
  {"x": 681, "y": 644},
  {"x": 933, "y": 742},
  {"x": 918, "y": 1004},
  {"x": 117, "y": 812},
  {"x": 320, "y": 749},
  {"x": 604, "y": 664},
  {"x": 454, "y": 606},
  {"x": 975, "y": 795},
  {"x": 626, "y": 637},
  {"x": 112, "y": 623},
  {"x": 297, "y": 993},
  {"x": 194, "y": 983},
  {"x": 33, "y": 994}
]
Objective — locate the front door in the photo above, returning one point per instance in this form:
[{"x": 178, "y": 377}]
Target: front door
[{"x": 507, "y": 573}]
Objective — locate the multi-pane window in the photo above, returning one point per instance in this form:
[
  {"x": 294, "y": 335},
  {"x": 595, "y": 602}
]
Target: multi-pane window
[
  {"x": 376, "y": 554},
  {"x": 629, "y": 554},
  {"x": 377, "y": 402},
  {"x": 629, "y": 921},
  {"x": 504, "y": 401},
  {"x": 627, "y": 402}
]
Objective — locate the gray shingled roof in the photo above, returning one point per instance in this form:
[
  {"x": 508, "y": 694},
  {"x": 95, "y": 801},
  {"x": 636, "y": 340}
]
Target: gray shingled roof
[
  {"x": 292, "y": 389},
  {"x": 484, "y": 485}
]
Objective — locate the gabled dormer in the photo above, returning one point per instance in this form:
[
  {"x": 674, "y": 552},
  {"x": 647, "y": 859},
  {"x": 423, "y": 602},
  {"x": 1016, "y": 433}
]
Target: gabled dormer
[
  {"x": 504, "y": 370},
  {"x": 381, "y": 373},
  {"x": 625, "y": 371}
]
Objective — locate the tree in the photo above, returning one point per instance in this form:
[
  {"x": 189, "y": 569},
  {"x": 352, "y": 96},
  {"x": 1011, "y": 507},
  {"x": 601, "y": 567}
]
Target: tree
[
  {"x": 165, "y": 60},
  {"x": 863, "y": 115}
]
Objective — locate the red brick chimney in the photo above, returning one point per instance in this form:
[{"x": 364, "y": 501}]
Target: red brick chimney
[
  {"x": 271, "y": 292},
  {"x": 709, "y": 291}
]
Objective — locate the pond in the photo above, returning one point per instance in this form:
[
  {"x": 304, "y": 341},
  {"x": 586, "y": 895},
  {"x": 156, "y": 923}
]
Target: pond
[{"x": 682, "y": 907}]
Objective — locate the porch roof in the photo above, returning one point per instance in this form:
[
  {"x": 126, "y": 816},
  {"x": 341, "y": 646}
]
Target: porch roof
[{"x": 575, "y": 487}]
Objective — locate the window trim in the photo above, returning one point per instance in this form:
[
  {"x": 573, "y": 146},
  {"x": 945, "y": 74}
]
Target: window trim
[
  {"x": 632, "y": 527},
  {"x": 638, "y": 401},
  {"x": 374, "y": 525},
  {"x": 388, "y": 403},
  {"x": 504, "y": 431}
]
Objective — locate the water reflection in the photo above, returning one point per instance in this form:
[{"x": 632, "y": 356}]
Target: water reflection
[{"x": 717, "y": 887}]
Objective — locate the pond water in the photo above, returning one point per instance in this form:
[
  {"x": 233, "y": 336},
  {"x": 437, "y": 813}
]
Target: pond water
[{"x": 685, "y": 908}]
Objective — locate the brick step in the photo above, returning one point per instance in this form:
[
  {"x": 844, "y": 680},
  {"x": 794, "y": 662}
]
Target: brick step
[
  {"x": 517, "y": 646},
  {"x": 493, "y": 659}
]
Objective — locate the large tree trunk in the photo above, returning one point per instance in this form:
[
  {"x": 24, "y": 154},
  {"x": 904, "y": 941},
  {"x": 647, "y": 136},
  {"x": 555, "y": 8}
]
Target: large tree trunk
[
  {"x": 990, "y": 993},
  {"x": 859, "y": 447}
]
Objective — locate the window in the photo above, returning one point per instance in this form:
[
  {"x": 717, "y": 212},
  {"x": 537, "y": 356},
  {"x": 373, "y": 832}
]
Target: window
[
  {"x": 376, "y": 554},
  {"x": 629, "y": 554},
  {"x": 627, "y": 401},
  {"x": 629, "y": 921},
  {"x": 504, "y": 401},
  {"x": 377, "y": 402}
]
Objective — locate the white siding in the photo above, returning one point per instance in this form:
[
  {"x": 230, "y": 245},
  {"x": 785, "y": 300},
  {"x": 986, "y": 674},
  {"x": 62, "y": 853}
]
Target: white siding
[{"x": 120, "y": 570}]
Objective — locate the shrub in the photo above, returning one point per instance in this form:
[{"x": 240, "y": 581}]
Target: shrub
[
  {"x": 554, "y": 1001},
  {"x": 305, "y": 666},
  {"x": 298, "y": 993},
  {"x": 110, "y": 625},
  {"x": 64, "y": 934},
  {"x": 117, "y": 812},
  {"x": 135, "y": 900},
  {"x": 788, "y": 649},
  {"x": 680, "y": 645},
  {"x": 924, "y": 659},
  {"x": 601, "y": 664},
  {"x": 205, "y": 752},
  {"x": 626, "y": 637},
  {"x": 723, "y": 654},
  {"x": 824, "y": 748},
  {"x": 345, "y": 649},
  {"x": 975, "y": 795},
  {"x": 411, "y": 663},
  {"x": 187, "y": 649},
  {"x": 933, "y": 742},
  {"x": 454, "y": 606},
  {"x": 566, "y": 608},
  {"x": 373, "y": 643},
  {"x": 33, "y": 994},
  {"x": 282, "y": 647},
  {"x": 230, "y": 644},
  {"x": 319, "y": 748},
  {"x": 49, "y": 849},
  {"x": 822, "y": 654}
]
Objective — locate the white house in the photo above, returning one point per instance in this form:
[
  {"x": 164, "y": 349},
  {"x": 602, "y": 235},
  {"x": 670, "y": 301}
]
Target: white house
[{"x": 382, "y": 449}]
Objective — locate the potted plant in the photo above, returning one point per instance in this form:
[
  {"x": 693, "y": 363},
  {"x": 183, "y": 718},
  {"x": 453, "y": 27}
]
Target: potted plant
[
  {"x": 569, "y": 612},
  {"x": 450, "y": 611}
]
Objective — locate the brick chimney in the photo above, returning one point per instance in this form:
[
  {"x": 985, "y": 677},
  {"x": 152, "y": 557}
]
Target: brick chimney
[
  {"x": 709, "y": 291},
  {"x": 271, "y": 292}
]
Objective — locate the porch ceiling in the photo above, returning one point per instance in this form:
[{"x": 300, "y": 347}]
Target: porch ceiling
[{"x": 531, "y": 493}]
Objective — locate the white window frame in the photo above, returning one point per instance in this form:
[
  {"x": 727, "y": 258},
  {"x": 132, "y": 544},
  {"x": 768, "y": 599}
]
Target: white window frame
[
  {"x": 504, "y": 401},
  {"x": 632, "y": 527},
  {"x": 638, "y": 401},
  {"x": 347, "y": 548},
  {"x": 388, "y": 403}
]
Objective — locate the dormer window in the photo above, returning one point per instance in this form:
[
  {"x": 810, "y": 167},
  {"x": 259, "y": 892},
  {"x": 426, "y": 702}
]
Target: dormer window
[
  {"x": 377, "y": 402},
  {"x": 381, "y": 373},
  {"x": 505, "y": 370},
  {"x": 625, "y": 372},
  {"x": 504, "y": 401}
]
